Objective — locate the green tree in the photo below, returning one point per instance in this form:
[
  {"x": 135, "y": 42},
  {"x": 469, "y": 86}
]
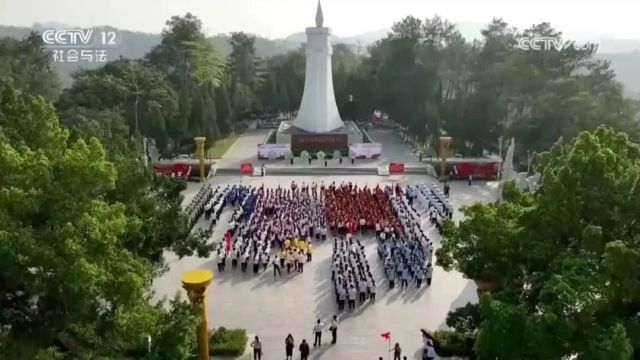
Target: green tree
[
  {"x": 345, "y": 62},
  {"x": 554, "y": 94},
  {"x": 153, "y": 203},
  {"x": 71, "y": 280},
  {"x": 428, "y": 78},
  {"x": 284, "y": 82},
  {"x": 246, "y": 72},
  {"x": 108, "y": 126},
  {"x": 140, "y": 93},
  {"x": 26, "y": 65},
  {"x": 223, "y": 107},
  {"x": 195, "y": 71},
  {"x": 564, "y": 260}
]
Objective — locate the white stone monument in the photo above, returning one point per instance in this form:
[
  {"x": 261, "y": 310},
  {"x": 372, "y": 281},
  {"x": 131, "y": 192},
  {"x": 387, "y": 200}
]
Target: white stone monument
[
  {"x": 318, "y": 125},
  {"x": 318, "y": 110}
]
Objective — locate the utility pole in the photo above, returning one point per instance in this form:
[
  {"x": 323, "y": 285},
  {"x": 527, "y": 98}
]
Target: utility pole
[{"x": 145, "y": 156}]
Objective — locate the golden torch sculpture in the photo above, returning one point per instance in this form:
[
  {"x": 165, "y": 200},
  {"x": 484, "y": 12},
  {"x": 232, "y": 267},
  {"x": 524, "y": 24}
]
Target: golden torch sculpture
[
  {"x": 445, "y": 149},
  {"x": 195, "y": 283},
  {"x": 200, "y": 153}
]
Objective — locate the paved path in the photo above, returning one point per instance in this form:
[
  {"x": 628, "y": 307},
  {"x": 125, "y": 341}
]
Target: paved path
[
  {"x": 273, "y": 308},
  {"x": 244, "y": 149},
  {"x": 393, "y": 148}
]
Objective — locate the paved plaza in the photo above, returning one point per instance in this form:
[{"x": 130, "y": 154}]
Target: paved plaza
[{"x": 273, "y": 308}]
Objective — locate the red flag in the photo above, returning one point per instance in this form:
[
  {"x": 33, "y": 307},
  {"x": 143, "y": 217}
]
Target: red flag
[
  {"x": 228, "y": 239},
  {"x": 386, "y": 336}
]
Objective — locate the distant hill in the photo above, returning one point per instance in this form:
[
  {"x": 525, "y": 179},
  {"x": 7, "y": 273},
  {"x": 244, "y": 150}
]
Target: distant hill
[
  {"x": 608, "y": 46},
  {"x": 14, "y": 32},
  {"x": 627, "y": 68},
  {"x": 366, "y": 38},
  {"x": 624, "y": 54},
  {"x": 134, "y": 45}
]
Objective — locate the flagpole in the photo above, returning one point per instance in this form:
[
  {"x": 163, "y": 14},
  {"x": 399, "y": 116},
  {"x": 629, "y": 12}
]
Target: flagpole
[{"x": 387, "y": 336}]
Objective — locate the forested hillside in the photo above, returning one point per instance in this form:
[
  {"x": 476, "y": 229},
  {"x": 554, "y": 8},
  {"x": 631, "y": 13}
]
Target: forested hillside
[{"x": 625, "y": 61}]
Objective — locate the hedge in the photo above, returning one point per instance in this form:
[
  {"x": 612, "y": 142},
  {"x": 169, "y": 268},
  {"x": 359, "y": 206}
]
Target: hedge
[
  {"x": 452, "y": 343},
  {"x": 227, "y": 342}
]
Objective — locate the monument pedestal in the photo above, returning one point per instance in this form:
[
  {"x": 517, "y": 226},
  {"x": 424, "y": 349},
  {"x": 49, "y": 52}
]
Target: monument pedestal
[{"x": 301, "y": 140}]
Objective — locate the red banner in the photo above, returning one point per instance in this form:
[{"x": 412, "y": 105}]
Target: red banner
[
  {"x": 246, "y": 169},
  {"x": 181, "y": 170},
  {"x": 315, "y": 142},
  {"x": 396, "y": 168},
  {"x": 476, "y": 170}
]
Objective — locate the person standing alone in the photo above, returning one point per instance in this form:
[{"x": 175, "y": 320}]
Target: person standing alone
[
  {"x": 334, "y": 329},
  {"x": 276, "y": 266},
  {"x": 304, "y": 350},
  {"x": 301, "y": 258},
  {"x": 257, "y": 348},
  {"x": 397, "y": 351},
  {"x": 288, "y": 347},
  {"x": 317, "y": 332},
  {"x": 309, "y": 251}
]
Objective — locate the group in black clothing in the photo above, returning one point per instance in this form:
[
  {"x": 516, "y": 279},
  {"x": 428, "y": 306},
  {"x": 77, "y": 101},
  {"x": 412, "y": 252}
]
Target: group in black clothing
[{"x": 289, "y": 345}]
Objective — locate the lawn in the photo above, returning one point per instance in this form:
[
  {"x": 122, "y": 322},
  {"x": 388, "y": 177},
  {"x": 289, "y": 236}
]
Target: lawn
[{"x": 221, "y": 146}]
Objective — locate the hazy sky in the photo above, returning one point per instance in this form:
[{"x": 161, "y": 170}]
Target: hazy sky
[{"x": 279, "y": 18}]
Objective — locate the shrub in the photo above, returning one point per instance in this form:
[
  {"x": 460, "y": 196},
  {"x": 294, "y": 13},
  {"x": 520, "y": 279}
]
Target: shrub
[
  {"x": 451, "y": 343},
  {"x": 466, "y": 319},
  {"x": 227, "y": 342}
]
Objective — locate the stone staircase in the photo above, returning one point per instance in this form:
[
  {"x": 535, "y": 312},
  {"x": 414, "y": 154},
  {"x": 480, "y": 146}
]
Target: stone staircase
[{"x": 320, "y": 171}]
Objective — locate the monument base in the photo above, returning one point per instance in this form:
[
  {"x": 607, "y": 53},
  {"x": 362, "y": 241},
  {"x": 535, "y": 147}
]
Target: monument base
[{"x": 328, "y": 142}]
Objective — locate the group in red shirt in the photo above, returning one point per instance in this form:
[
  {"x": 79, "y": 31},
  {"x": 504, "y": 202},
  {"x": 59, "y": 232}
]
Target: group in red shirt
[{"x": 349, "y": 207}]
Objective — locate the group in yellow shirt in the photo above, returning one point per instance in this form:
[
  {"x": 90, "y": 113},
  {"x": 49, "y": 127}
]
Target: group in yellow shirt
[{"x": 296, "y": 245}]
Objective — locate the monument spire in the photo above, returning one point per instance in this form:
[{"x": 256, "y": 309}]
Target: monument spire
[
  {"x": 319, "y": 17},
  {"x": 318, "y": 111}
]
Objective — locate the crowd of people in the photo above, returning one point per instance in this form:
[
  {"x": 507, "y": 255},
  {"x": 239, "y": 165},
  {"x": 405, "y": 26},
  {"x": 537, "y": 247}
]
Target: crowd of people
[
  {"x": 215, "y": 205},
  {"x": 428, "y": 348},
  {"x": 432, "y": 200},
  {"x": 195, "y": 208},
  {"x": 353, "y": 208},
  {"x": 278, "y": 227},
  {"x": 290, "y": 344},
  {"x": 406, "y": 254},
  {"x": 351, "y": 273},
  {"x": 287, "y": 220}
]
